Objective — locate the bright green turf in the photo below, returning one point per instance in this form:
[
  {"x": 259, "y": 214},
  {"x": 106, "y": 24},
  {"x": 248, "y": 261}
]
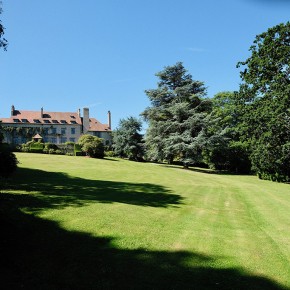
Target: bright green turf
[{"x": 135, "y": 225}]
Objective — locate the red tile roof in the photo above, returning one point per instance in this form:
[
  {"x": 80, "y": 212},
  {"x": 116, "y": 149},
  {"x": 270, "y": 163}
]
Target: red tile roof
[
  {"x": 95, "y": 125},
  {"x": 34, "y": 117}
]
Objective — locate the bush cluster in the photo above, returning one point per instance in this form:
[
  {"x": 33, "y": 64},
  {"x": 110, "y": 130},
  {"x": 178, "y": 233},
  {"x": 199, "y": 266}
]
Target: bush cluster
[{"x": 8, "y": 161}]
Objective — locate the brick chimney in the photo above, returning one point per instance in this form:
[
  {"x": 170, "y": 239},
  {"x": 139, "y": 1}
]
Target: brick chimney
[
  {"x": 86, "y": 120},
  {"x": 12, "y": 110},
  {"x": 109, "y": 120},
  {"x": 41, "y": 113}
]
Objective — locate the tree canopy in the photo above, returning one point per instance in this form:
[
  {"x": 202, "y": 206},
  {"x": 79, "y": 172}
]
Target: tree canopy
[
  {"x": 127, "y": 139},
  {"x": 178, "y": 117},
  {"x": 92, "y": 145},
  {"x": 3, "y": 41},
  {"x": 265, "y": 96}
]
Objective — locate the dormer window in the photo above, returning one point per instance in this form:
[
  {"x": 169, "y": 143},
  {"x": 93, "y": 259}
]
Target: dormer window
[
  {"x": 73, "y": 117},
  {"x": 16, "y": 120},
  {"x": 73, "y": 122},
  {"x": 55, "y": 121},
  {"x": 46, "y": 121},
  {"x": 36, "y": 121},
  {"x": 63, "y": 121},
  {"x": 24, "y": 120}
]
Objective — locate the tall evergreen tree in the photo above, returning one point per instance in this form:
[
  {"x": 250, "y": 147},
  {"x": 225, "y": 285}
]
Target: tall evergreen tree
[
  {"x": 265, "y": 95},
  {"x": 178, "y": 117},
  {"x": 127, "y": 139}
]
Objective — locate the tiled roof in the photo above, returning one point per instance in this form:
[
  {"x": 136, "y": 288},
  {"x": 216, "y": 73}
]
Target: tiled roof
[
  {"x": 34, "y": 117},
  {"x": 95, "y": 125}
]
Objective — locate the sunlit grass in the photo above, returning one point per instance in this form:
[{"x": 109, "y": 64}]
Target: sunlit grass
[{"x": 240, "y": 222}]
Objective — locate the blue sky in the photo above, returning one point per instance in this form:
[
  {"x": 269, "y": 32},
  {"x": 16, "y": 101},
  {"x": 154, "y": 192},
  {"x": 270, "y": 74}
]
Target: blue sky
[{"x": 68, "y": 54}]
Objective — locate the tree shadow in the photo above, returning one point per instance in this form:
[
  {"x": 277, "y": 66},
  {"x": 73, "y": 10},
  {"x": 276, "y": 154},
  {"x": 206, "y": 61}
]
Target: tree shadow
[
  {"x": 57, "y": 189},
  {"x": 204, "y": 170},
  {"x": 39, "y": 254}
]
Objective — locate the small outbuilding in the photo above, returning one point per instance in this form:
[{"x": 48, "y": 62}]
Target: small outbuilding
[{"x": 37, "y": 138}]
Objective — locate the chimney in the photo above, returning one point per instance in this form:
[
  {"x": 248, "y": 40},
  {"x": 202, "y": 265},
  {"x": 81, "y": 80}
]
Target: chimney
[
  {"x": 109, "y": 119},
  {"x": 12, "y": 110},
  {"x": 86, "y": 120},
  {"x": 79, "y": 112},
  {"x": 41, "y": 112}
]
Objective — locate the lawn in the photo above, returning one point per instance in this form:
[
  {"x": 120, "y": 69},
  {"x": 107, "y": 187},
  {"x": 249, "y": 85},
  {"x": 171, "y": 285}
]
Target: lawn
[{"x": 82, "y": 223}]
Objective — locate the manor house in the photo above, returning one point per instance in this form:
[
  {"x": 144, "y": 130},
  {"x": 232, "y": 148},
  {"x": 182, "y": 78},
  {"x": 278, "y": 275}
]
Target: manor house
[{"x": 53, "y": 127}]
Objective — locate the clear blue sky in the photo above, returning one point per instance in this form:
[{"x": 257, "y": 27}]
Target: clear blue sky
[{"x": 68, "y": 54}]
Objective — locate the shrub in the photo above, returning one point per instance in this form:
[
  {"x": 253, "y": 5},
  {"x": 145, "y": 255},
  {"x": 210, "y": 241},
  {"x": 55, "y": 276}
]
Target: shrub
[
  {"x": 8, "y": 163},
  {"x": 50, "y": 146},
  {"x": 59, "y": 152},
  {"x": 78, "y": 150},
  {"x": 109, "y": 153},
  {"x": 92, "y": 145},
  {"x": 69, "y": 143}
]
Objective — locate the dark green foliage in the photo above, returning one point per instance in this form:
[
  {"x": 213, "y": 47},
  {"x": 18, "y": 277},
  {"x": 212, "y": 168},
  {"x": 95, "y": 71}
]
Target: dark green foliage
[
  {"x": 65, "y": 148},
  {"x": 92, "y": 146},
  {"x": 265, "y": 95},
  {"x": 110, "y": 153},
  {"x": 36, "y": 147},
  {"x": 230, "y": 153},
  {"x": 128, "y": 140},
  {"x": 8, "y": 162},
  {"x": 3, "y": 41},
  {"x": 231, "y": 156},
  {"x": 78, "y": 150}
]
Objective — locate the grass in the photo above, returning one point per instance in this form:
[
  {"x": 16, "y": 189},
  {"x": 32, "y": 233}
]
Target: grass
[{"x": 81, "y": 223}]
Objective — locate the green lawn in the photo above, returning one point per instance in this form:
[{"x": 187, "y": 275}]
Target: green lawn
[{"x": 81, "y": 223}]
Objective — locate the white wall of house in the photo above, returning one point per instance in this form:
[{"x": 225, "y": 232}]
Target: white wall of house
[{"x": 54, "y": 133}]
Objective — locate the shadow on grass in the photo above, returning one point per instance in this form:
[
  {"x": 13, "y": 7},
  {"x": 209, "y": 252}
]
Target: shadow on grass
[
  {"x": 203, "y": 170},
  {"x": 39, "y": 254},
  {"x": 56, "y": 189}
]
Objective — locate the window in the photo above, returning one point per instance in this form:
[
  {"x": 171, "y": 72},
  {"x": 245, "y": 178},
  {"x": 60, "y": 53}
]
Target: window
[
  {"x": 73, "y": 117},
  {"x": 46, "y": 121},
  {"x": 24, "y": 120},
  {"x": 63, "y": 131},
  {"x": 16, "y": 120},
  {"x": 53, "y": 130},
  {"x": 36, "y": 121},
  {"x": 73, "y": 122},
  {"x": 63, "y": 121},
  {"x": 54, "y": 121},
  {"x": 73, "y": 131},
  {"x": 45, "y": 131},
  {"x": 72, "y": 139},
  {"x": 16, "y": 140},
  {"x": 53, "y": 140},
  {"x": 97, "y": 134},
  {"x": 63, "y": 139}
]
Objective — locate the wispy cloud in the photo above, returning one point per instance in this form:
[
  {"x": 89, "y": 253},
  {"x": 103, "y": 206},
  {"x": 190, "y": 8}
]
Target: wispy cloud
[{"x": 195, "y": 49}]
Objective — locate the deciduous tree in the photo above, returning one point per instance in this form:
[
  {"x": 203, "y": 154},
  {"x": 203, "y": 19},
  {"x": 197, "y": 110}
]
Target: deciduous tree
[
  {"x": 92, "y": 145},
  {"x": 265, "y": 95}
]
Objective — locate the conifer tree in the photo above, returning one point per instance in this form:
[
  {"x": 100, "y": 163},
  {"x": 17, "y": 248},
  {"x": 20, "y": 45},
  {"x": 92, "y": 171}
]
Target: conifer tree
[{"x": 178, "y": 117}]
